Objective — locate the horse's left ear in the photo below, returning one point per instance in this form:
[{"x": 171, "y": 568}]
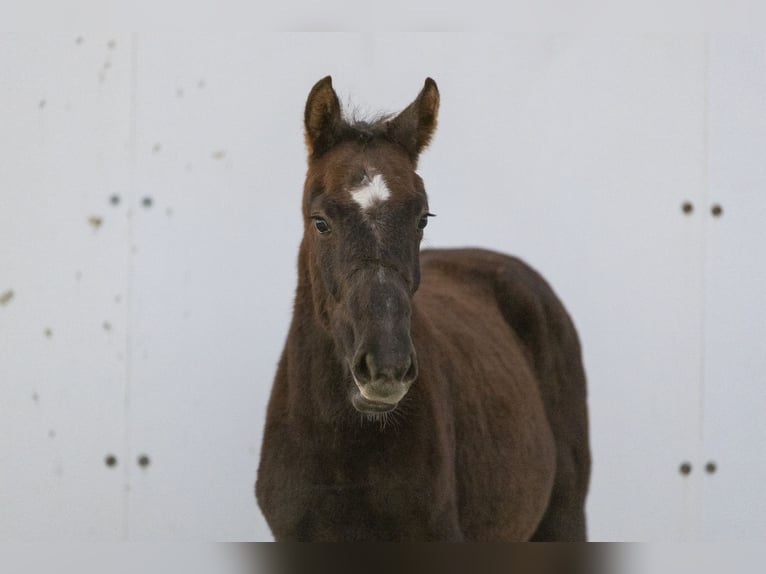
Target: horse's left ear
[{"x": 415, "y": 125}]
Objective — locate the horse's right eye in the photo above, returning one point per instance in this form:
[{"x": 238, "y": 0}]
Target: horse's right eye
[{"x": 321, "y": 225}]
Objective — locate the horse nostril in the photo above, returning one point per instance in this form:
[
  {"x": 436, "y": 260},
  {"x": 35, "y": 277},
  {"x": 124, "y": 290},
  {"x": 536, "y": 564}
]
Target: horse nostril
[
  {"x": 364, "y": 370},
  {"x": 402, "y": 373},
  {"x": 412, "y": 371}
]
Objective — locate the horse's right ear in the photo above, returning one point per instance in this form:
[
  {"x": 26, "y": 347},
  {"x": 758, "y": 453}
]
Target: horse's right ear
[{"x": 322, "y": 117}]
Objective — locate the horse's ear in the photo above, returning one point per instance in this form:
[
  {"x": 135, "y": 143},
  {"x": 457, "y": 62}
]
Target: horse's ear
[
  {"x": 322, "y": 117},
  {"x": 414, "y": 127}
]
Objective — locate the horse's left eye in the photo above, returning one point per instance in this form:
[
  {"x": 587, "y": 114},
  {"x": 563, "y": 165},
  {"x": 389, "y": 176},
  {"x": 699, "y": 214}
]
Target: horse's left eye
[{"x": 423, "y": 221}]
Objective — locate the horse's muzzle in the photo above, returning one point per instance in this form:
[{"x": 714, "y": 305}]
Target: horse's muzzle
[{"x": 382, "y": 379}]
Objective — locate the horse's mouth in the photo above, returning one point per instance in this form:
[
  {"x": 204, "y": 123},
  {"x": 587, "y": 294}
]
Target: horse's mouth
[{"x": 366, "y": 406}]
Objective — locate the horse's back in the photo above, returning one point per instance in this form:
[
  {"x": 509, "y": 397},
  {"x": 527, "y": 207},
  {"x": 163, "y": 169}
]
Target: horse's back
[
  {"x": 499, "y": 309},
  {"x": 524, "y": 298}
]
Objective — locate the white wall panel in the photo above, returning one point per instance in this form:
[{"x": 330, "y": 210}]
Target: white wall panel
[
  {"x": 735, "y": 351},
  {"x": 64, "y": 108},
  {"x": 214, "y": 268}
]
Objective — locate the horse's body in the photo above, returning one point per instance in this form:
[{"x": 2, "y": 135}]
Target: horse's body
[{"x": 439, "y": 397}]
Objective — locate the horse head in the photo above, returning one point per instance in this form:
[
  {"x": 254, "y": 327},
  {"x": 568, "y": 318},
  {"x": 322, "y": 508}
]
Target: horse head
[{"x": 365, "y": 208}]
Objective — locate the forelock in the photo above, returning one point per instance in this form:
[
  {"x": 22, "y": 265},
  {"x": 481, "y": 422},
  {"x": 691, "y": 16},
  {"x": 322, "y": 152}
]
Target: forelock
[{"x": 364, "y": 128}]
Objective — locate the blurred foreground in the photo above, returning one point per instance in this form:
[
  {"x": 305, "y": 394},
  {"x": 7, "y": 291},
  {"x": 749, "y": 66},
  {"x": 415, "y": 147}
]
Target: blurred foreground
[{"x": 443, "y": 558}]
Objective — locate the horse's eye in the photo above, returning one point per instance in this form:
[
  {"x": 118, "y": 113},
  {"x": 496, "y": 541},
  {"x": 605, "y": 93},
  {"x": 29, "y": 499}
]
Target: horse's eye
[
  {"x": 321, "y": 225},
  {"x": 423, "y": 221}
]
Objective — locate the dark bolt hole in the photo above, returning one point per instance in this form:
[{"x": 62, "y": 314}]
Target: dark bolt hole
[
  {"x": 143, "y": 461},
  {"x": 716, "y": 210},
  {"x": 110, "y": 460},
  {"x": 147, "y": 202},
  {"x": 115, "y": 199},
  {"x": 687, "y": 207},
  {"x": 711, "y": 467},
  {"x": 685, "y": 468}
]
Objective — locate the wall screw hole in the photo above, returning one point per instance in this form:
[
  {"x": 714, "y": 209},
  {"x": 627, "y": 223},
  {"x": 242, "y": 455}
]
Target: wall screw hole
[{"x": 685, "y": 469}]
